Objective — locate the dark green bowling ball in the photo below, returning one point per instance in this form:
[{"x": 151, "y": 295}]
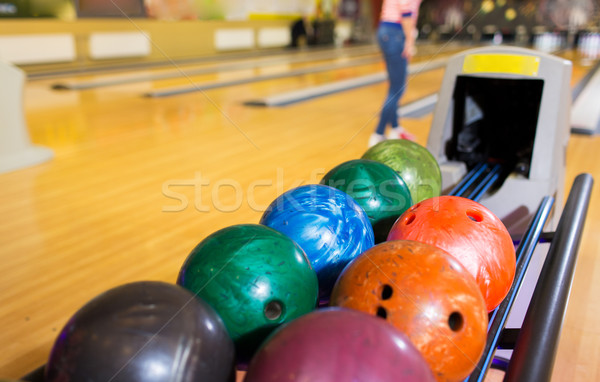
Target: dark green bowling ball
[
  {"x": 377, "y": 188},
  {"x": 255, "y": 278},
  {"x": 413, "y": 162}
]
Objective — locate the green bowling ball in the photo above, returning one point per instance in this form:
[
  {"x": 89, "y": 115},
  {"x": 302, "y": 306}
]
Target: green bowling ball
[
  {"x": 413, "y": 162},
  {"x": 376, "y": 187},
  {"x": 255, "y": 278}
]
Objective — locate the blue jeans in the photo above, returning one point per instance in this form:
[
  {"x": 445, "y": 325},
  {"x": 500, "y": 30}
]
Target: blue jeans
[{"x": 391, "y": 39}]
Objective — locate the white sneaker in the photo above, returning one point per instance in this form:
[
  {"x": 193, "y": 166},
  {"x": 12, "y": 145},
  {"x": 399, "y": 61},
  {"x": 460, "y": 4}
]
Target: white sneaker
[
  {"x": 375, "y": 139},
  {"x": 400, "y": 133},
  {"x": 394, "y": 133}
]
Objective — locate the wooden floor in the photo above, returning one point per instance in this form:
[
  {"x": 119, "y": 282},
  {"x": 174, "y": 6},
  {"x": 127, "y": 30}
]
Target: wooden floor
[{"x": 137, "y": 182}]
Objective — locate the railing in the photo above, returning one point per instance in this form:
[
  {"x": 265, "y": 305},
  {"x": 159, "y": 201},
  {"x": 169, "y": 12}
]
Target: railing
[
  {"x": 535, "y": 349},
  {"x": 534, "y": 345}
]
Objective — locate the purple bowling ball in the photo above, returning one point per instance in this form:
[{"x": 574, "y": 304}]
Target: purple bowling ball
[{"x": 336, "y": 344}]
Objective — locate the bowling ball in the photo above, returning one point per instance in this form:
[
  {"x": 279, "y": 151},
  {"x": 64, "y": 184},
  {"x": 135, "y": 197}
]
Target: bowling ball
[
  {"x": 415, "y": 164},
  {"x": 471, "y": 233},
  {"x": 338, "y": 345},
  {"x": 327, "y": 223},
  {"x": 143, "y": 331},
  {"x": 378, "y": 189},
  {"x": 255, "y": 278},
  {"x": 426, "y": 294}
]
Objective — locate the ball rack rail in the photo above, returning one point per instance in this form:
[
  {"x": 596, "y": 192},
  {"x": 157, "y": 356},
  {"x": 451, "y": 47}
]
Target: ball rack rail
[{"x": 535, "y": 343}]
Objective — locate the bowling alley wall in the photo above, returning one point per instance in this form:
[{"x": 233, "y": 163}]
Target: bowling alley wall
[
  {"x": 163, "y": 9},
  {"x": 43, "y": 36},
  {"x": 554, "y": 15},
  {"x": 46, "y": 35}
]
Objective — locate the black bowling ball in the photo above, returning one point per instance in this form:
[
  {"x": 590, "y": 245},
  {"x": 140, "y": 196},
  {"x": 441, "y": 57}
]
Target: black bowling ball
[{"x": 143, "y": 331}]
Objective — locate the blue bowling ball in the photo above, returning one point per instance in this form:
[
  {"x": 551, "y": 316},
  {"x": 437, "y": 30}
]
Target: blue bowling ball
[{"x": 327, "y": 224}]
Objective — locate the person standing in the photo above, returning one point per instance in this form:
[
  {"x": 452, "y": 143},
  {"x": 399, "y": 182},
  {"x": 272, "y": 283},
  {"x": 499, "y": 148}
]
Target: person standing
[{"x": 396, "y": 38}]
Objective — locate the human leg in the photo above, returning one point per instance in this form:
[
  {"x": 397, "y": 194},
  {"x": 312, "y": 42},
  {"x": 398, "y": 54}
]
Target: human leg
[{"x": 391, "y": 42}]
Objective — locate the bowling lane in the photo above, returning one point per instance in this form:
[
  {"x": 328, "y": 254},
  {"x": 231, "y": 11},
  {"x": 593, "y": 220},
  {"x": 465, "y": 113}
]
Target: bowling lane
[
  {"x": 191, "y": 85},
  {"x": 51, "y": 112},
  {"x": 227, "y": 62},
  {"x": 137, "y": 183}
]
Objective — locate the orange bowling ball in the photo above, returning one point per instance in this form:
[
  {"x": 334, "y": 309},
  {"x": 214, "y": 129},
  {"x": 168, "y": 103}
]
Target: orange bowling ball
[
  {"x": 426, "y": 294},
  {"x": 468, "y": 231}
]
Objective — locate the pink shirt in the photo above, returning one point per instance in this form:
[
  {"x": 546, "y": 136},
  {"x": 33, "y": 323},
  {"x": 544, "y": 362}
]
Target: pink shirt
[{"x": 392, "y": 11}]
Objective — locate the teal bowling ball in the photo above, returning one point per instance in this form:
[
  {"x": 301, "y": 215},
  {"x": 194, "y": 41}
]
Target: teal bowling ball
[
  {"x": 377, "y": 188},
  {"x": 255, "y": 278},
  {"x": 413, "y": 162}
]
